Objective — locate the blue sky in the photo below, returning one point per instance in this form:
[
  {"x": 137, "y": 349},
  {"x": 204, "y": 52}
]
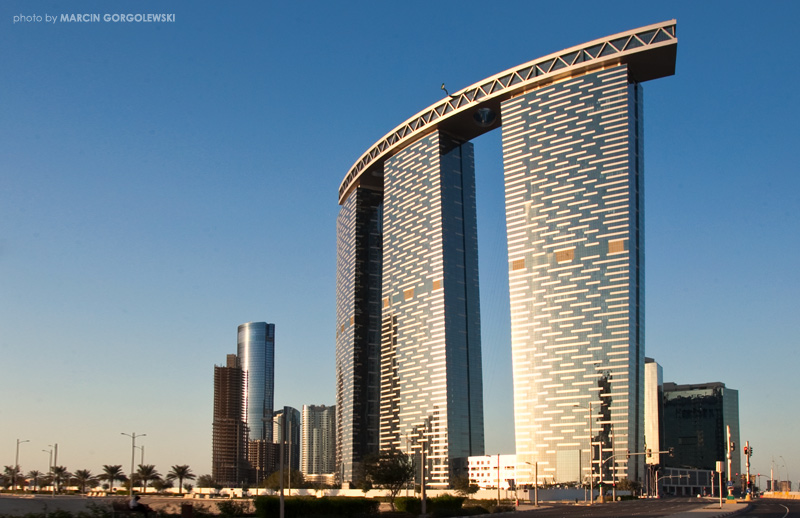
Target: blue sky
[{"x": 162, "y": 183}]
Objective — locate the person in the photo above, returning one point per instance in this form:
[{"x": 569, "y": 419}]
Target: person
[{"x": 138, "y": 507}]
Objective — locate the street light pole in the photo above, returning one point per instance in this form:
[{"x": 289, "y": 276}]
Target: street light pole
[
  {"x": 133, "y": 437},
  {"x": 788, "y": 480},
  {"x": 53, "y": 466},
  {"x": 16, "y": 465},
  {"x": 591, "y": 458},
  {"x": 498, "y": 480}
]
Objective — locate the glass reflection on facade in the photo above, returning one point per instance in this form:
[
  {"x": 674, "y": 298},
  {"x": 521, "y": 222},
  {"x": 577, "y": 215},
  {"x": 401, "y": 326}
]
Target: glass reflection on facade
[
  {"x": 574, "y": 211},
  {"x": 256, "y": 353},
  {"x": 358, "y": 312},
  {"x": 573, "y": 167},
  {"x": 431, "y": 382},
  {"x": 319, "y": 440},
  {"x": 696, "y": 418}
]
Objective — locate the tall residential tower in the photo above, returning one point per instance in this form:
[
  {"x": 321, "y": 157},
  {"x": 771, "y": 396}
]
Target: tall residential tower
[
  {"x": 407, "y": 258},
  {"x": 256, "y": 354}
]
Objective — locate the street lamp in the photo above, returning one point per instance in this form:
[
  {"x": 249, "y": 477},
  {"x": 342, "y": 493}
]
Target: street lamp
[
  {"x": 54, "y": 459},
  {"x": 788, "y": 480},
  {"x": 16, "y": 465},
  {"x": 282, "y": 425},
  {"x": 591, "y": 456},
  {"x": 662, "y": 477},
  {"x": 498, "y": 478},
  {"x": 535, "y": 482},
  {"x": 133, "y": 437}
]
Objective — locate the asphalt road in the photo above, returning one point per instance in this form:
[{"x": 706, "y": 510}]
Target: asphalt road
[
  {"x": 774, "y": 508},
  {"x": 665, "y": 507}
]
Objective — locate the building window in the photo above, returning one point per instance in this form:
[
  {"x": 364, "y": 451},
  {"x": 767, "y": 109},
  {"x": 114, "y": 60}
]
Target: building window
[
  {"x": 517, "y": 264},
  {"x": 616, "y": 246},
  {"x": 437, "y": 285},
  {"x": 408, "y": 294},
  {"x": 563, "y": 256}
]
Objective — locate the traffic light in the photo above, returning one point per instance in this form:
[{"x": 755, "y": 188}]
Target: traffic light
[
  {"x": 746, "y": 451},
  {"x": 751, "y": 451},
  {"x": 628, "y": 454},
  {"x": 648, "y": 452},
  {"x": 733, "y": 446},
  {"x": 671, "y": 451}
]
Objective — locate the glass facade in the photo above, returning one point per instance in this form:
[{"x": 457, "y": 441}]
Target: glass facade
[
  {"x": 319, "y": 440},
  {"x": 696, "y": 418},
  {"x": 358, "y": 314},
  {"x": 286, "y": 427},
  {"x": 431, "y": 382},
  {"x": 256, "y": 353},
  {"x": 408, "y": 352},
  {"x": 572, "y": 154}
]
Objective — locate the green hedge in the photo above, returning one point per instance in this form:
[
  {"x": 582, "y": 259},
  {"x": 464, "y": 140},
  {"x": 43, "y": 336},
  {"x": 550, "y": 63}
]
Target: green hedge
[
  {"x": 408, "y": 504},
  {"x": 299, "y": 507},
  {"x": 440, "y": 506}
]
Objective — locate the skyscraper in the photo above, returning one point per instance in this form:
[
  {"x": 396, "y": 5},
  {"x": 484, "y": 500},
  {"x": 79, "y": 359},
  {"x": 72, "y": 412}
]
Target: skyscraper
[
  {"x": 431, "y": 382},
  {"x": 696, "y": 418},
  {"x": 358, "y": 317},
  {"x": 318, "y": 443},
  {"x": 286, "y": 431},
  {"x": 256, "y": 353},
  {"x": 574, "y": 211},
  {"x": 573, "y": 166},
  {"x": 229, "y": 466}
]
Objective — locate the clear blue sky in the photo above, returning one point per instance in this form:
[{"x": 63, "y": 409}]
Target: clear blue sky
[{"x": 162, "y": 183}]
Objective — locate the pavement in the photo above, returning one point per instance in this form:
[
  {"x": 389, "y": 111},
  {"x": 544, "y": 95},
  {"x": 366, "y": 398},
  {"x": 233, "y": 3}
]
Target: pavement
[
  {"x": 714, "y": 511},
  {"x": 20, "y": 505}
]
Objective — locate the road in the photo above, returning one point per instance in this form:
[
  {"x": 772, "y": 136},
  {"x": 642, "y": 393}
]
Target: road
[
  {"x": 670, "y": 507},
  {"x": 774, "y": 508},
  {"x": 665, "y": 507}
]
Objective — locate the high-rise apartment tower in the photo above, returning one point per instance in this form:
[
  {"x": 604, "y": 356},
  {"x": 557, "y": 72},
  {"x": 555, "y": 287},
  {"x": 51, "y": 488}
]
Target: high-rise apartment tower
[
  {"x": 229, "y": 466},
  {"x": 572, "y": 125},
  {"x": 256, "y": 353},
  {"x": 318, "y": 443}
]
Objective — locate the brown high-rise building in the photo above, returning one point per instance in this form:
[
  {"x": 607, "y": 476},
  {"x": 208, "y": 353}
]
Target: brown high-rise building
[{"x": 229, "y": 466}]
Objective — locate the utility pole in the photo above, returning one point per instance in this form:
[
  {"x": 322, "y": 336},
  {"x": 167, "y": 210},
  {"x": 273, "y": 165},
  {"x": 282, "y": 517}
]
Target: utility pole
[
  {"x": 133, "y": 437},
  {"x": 747, "y": 452},
  {"x": 498, "y": 480},
  {"x": 731, "y": 446},
  {"x": 591, "y": 458},
  {"x": 16, "y": 466}
]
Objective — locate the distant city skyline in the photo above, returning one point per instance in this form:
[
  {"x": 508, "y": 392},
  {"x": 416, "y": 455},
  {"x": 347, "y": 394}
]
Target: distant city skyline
[{"x": 160, "y": 184}]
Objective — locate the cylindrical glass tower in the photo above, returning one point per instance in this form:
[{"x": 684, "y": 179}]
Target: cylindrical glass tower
[{"x": 256, "y": 351}]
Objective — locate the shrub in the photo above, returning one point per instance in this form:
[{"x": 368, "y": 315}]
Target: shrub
[
  {"x": 445, "y": 505},
  {"x": 231, "y": 508},
  {"x": 298, "y": 507},
  {"x": 408, "y": 504}
]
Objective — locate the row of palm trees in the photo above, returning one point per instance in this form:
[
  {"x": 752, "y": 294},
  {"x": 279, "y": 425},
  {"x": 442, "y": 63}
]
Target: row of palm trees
[{"x": 59, "y": 476}]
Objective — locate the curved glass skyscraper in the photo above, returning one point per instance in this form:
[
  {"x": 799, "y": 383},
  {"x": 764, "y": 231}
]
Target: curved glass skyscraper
[
  {"x": 407, "y": 269},
  {"x": 256, "y": 352}
]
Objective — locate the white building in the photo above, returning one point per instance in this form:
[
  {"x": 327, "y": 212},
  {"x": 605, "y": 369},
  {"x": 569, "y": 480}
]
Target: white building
[
  {"x": 483, "y": 471},
  {"x": 318, "y": 444}
]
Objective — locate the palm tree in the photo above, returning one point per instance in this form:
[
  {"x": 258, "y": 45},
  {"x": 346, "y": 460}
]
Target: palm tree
[
  {"x": 112, "y": 472},
  {"x": 181, "y": 472},
  {"x": 84, "y": 477},
  {"x": 10, "y": 475},
  {"x": 146, "y": 473},
  {"x": 35, "y": 476},
  {"x": 60, "y": 474}
]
